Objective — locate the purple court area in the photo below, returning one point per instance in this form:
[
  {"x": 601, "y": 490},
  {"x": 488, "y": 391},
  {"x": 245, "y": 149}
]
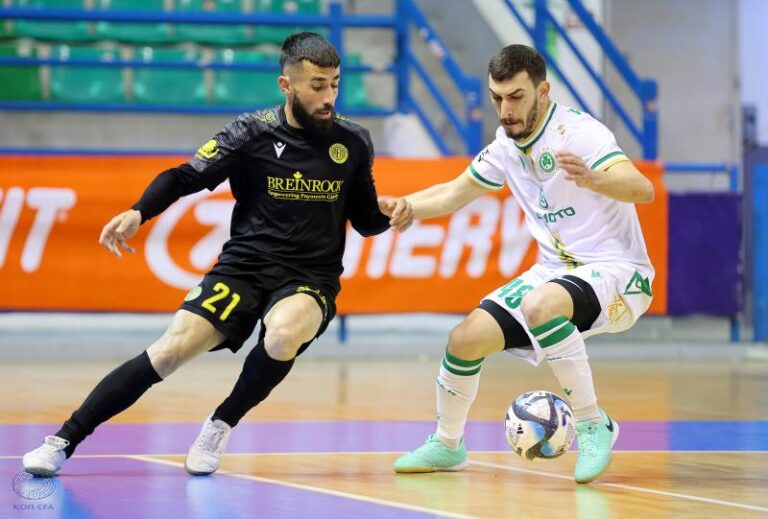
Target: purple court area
[
  {"x": 376, "y": 436},
  {"x": 122, "y": 487}
]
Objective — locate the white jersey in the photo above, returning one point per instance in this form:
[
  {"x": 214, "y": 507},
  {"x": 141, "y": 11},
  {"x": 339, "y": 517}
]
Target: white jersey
[{"x": 572, "y": 225}]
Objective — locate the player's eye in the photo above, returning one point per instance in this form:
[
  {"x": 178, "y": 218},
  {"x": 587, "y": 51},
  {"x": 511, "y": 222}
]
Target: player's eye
[{"x": 335, "y": 87}]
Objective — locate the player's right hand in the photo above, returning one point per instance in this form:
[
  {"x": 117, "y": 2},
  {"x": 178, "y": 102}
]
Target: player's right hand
[
  {"x": 399, "y": 210},
  {"x": 118, "y": 230}
]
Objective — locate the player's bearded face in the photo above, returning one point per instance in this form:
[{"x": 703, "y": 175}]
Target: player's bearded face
[
  {"x": 518, "y": 103},
  {"x": 529, "y": 123},
  {"x": 314, "y": 120},
  {"x": 521, "y": 127}
]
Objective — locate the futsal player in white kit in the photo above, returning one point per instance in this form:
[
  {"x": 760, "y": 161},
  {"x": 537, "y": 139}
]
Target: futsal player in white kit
[{"x": 577, "y": 189}]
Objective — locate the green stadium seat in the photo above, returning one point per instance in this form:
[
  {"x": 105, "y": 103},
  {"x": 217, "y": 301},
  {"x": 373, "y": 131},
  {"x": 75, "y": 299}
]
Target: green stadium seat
[
  {"x": 20, "y": 83},
  {"x": 354, "y": 86},
  {"x": 134, "y": 32},
  {"x": 6, "y": 29},
  {"x": 211, "y": 34},
  {"x": 52, "y": 30},
  {"x": 168, "y": 86},
  {"x": 246, "y": 88},
  {"x": 277, "y": 34},
  {"x": 86, "y": 84}
]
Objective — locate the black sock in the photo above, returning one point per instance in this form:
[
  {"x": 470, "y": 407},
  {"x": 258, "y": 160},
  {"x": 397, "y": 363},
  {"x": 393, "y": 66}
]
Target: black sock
[
  {"x": 115, "y": 393},
  {"x": 261, "y": 374}
]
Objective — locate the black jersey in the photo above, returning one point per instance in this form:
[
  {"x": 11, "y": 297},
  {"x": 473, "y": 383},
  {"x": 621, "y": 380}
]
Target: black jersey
[{"x": 294, "y": 192}]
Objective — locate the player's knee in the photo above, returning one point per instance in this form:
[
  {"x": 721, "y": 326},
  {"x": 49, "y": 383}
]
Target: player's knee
[
  {"x": 165, "y": 361},
  {"x": 168, "y": 353},
  {"x": 282, "y": 342},
  {"x": 536, "y": 310},
  {"x": 462, "y": 343}
]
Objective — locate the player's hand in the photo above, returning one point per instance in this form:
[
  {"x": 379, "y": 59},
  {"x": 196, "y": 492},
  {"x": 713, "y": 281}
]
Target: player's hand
[
  {"x": 115, "y": 234},
  {"x": 575, "y": 169},
  {"x": 399, "y": 210}
]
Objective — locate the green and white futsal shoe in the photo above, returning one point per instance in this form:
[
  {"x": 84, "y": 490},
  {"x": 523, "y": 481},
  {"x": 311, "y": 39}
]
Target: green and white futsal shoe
[
  {"x": 433, "y": 456},
  {"x": 595, "y": 443}
]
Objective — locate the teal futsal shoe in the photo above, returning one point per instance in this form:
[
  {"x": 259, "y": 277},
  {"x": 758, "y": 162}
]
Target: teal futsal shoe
[
  {"x": 433, "y": 456},
  {"x": 595, "y": 442}
]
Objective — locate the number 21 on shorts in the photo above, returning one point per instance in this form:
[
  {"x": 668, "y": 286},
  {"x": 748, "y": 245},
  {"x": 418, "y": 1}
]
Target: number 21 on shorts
[{"x": 222, "y": 291}]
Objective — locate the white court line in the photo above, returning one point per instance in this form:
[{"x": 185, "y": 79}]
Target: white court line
[
  {"x": 149, "y": 458},
  {"x": 319, "y": 490},
  {"x": 626, "y": 487},
  {"x": 352, "y": 453}
]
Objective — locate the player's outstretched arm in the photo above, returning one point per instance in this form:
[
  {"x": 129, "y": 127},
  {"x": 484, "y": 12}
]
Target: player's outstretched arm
[
  {"x": 622, "y": 181},
  {"x": 116, "y": 233},
  {"x": 445, "y": 198}
]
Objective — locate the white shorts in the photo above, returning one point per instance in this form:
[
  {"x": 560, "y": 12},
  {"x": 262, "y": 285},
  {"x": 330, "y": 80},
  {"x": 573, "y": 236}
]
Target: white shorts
[{"x": 623, "y": 290}]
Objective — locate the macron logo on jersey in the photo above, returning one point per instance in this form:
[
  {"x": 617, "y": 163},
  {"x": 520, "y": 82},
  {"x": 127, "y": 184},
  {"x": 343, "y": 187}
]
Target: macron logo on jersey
[{"x": 279, "y": 148}]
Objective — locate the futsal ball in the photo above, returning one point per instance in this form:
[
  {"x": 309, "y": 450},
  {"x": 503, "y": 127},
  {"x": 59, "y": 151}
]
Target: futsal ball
[{"x": 539, "y": 425}]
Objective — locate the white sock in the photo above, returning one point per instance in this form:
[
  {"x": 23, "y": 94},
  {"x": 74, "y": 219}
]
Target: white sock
[
  {"x": 567, "y": 356},
  {"x": 457, "y": 385}
]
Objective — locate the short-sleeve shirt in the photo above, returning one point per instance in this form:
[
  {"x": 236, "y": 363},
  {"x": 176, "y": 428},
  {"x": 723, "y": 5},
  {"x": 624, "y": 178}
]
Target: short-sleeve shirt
[
  {"x": 294, "y": 194},
  {"x": 572, "y": 225}
]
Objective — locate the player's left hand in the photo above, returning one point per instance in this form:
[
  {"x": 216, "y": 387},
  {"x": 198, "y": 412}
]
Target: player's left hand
[
  {"x": 399, "y": 210},
  {"x": 575, "y": 169}
]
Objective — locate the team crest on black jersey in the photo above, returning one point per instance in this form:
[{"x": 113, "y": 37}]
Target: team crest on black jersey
[{"x": 338, "y": 153}]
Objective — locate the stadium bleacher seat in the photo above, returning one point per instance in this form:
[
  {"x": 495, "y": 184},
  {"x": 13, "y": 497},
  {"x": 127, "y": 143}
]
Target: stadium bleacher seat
[
  {"x": 6, "y": 29},
  {"x": 19, "y": 83},
  {"x": 86, "y": 84},
  {"x": 148, "y": 33},
  {"x": 52, "y": 30},
  {"x": 242, "y": 87},
  {"x": 354, "y": 86},
  {"x": 211, "y": 34},
  {"x": 177, "y": 86}
]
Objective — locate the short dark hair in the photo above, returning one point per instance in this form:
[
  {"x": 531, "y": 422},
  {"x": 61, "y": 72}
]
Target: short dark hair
[
  {"x": 513, "y": 59},
  {"x": 308, "y": 46}
]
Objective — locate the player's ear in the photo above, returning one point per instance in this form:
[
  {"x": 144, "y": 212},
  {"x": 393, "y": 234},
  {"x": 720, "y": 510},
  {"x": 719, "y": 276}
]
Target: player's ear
[
  {"x": 284, "y": 82},
  {"x": 543, "y": 88}
]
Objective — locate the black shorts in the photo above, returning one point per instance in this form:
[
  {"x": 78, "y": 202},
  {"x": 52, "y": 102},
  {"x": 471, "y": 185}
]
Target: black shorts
[{"x": 235, "y": 305}]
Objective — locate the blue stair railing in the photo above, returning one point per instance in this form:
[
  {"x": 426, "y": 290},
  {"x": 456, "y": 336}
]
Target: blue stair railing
[{"x": 645, "y": 90}]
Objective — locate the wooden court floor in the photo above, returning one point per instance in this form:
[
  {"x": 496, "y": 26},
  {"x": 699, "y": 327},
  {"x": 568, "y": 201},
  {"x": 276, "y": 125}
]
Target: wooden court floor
[{"x": 694, "y": 443}]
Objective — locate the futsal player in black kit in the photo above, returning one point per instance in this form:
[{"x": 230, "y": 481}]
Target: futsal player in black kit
[{"x": 298, "y": 173}]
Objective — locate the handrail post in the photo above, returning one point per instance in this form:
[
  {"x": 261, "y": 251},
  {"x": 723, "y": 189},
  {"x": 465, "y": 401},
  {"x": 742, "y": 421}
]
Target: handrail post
[
  {"x": 650, "y": 119},
  {"x": 540, "y": 24},
  {"x": 336, "y": 37},
  {"x": 474, "y": 115},
  {"x": 401, "y": 58}
]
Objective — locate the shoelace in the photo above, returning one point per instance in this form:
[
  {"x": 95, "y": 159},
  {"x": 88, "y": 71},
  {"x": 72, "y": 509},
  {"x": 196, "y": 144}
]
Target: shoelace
[
  {"x": 54, "y": 444},
  {"x": 210, "y": 440},
  {"x": 587, "y": 439}
]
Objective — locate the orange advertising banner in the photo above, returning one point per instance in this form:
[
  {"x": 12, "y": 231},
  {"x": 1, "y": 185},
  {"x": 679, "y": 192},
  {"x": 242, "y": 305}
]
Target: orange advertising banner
[{"x": 52, "y": 209}]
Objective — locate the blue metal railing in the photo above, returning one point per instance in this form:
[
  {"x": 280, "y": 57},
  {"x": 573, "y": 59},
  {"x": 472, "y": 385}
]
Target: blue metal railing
[
  {"x": 732, "y": 170},
  {"x": 644, "y": 89},
  {"x": 469, "y": 129}
]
